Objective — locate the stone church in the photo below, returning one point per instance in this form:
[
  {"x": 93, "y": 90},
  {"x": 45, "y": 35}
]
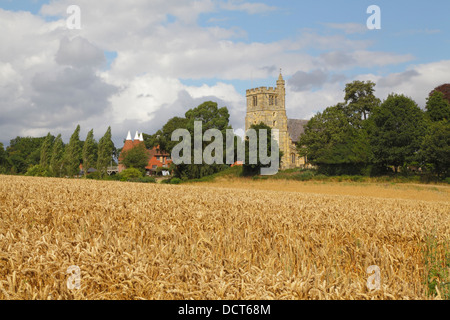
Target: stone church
[{"x": 268, "y": 105}]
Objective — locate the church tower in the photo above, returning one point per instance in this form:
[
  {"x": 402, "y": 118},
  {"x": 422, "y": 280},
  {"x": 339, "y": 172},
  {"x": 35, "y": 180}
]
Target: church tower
[{"x": 268, "y": 105}]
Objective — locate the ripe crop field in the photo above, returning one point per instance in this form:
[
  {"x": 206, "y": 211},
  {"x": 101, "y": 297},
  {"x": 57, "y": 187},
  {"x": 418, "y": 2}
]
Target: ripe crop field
[{"x": 215, "y": 241}]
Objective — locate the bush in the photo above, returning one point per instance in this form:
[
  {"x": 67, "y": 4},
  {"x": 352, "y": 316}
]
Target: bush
[
  {"x": 97, "y": 175},
  {"x": 146, "y": 180},
  {"x": 130, "y": 174},
  {"x": 305, "y": 176},
  {"x": 321, "y": 177},
  {"x": 38, "y": 171},
  {"x": 175, "y": 181},
  {"x": 357, "y": 178}
]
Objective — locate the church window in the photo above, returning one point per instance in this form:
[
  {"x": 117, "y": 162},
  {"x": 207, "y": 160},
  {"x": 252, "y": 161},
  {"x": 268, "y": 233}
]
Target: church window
[
  {"x": 255, "y": 101},
  {"x": 274, "y": 123},
  {"x": 271, "y": 100},
  {"x": 293, "y": 158}
]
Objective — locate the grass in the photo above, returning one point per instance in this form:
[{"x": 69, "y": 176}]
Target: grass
[
  {"x": 312, "y": 175},
  {"x": 437, "y": 267}
]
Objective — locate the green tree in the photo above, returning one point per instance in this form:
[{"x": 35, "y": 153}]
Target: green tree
[
  {"x": 211, "y": 117},
  {"x": 396, "y": 131},
  {"x": 24, "y": 153},
  {"x": 106, "y": 151},
  {"x": 56, "y": 161},
  {"x": 173, "y": 124},
  {"x": 436, "y": 147},
  {"x": 255, "y": 169},
  {"x": 3, "y": 159},
  {"x": 437, "y": 107},
  {"x": 334, "y": 144},
  {"x": 73, "y": 154},
  {"x": 136, "y": 157},
  {"x": 163, "y": 137},
  {"x": 46, "y": 151},
  {"x": 90, "y": 149},
  {"x": 154, "y": 140},
  {"x": 38, "y": 171},
  {"x": 360, "y": 100},
  {"x": 130, "y": 174}
]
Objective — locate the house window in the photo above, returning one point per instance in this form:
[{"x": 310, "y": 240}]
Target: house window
[
  {"x": 274, "y": 114},
  {"x": 255, "y": 101},
  {"x": 293, "y": 158},
  {"x": 274, "y": 123},
  {"x": 271, "y": 100}
]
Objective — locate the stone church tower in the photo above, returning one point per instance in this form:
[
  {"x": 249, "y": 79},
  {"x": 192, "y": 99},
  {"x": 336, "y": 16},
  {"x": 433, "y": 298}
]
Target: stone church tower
[{"x": 268, "y": 105}]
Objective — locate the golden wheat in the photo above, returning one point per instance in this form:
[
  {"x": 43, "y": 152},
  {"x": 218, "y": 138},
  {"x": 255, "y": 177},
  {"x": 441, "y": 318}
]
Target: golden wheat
[{"x": 143, "y": 241}]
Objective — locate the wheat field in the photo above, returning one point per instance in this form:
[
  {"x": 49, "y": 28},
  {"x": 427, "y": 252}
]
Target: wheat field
[{"x": 148, "y": 241}]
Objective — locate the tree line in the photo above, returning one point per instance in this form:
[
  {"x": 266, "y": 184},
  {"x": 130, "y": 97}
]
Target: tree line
[
  {"x": 50, "y": 157},
  {"x": 360, "y": 136},
  {"x": 366, "y": 136}
]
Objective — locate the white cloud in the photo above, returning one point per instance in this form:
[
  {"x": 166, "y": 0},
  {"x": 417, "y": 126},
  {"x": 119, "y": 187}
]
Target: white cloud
[
  {"x": 417, "y": 82},
  {"x": 52, "y": 78},
  {"x": 249, "y": 7},
  {"x": 348, "y": 28}
]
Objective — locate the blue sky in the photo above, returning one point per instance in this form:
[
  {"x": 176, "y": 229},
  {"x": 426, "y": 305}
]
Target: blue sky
[{"x": 135, "y": 64}]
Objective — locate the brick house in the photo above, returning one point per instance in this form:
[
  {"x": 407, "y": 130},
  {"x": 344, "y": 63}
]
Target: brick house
[{"x": 157, "y": 157}]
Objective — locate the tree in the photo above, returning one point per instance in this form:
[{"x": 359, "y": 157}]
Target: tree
[
  {"x": 137, "y": 157},
  {"x": 130, "y": 174},
  {"x": 73, "y": 156},
  {"x": 106, "y": 151},
  {"x": 24, "y": 153},
  {"x": 56, "y": 161},
  {"x": 437, "y": 107},
  {"x": 360, "y": 100},
  {"x": 46, "y": 151},
  {"x": 255, "y": 169},
  {"x": 154, "y": 140},
  {"x": 3, "y": 159},
  {"x": 436, "y": 147},
  {"x": 396, "y": 131},
  {"x": 38, "y": 171},
  {"x": 173, "y": 124},
  {"x": 334, "y": 144},
  {"x": 445, "y": 89},
  {"x": 211, "y": 117},
  {"x": 90, "y": 149}
]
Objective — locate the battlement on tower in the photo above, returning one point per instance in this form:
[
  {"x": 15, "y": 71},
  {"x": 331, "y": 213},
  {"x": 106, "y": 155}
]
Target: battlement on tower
[{"x": 260, "y": 90}]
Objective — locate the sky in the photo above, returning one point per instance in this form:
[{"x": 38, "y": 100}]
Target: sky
[{"x": 135, "y": 64}]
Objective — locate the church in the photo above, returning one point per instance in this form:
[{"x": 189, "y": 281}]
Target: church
[{"x": 268, "y": 105}]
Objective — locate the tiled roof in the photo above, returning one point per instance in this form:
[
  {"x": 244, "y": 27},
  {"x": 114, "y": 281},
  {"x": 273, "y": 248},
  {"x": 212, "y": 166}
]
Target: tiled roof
[{"x": 296, "y": 128}]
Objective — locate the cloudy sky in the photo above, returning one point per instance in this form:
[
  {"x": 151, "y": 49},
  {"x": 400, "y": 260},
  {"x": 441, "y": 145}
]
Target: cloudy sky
[{"x": 135, "y": 64}]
